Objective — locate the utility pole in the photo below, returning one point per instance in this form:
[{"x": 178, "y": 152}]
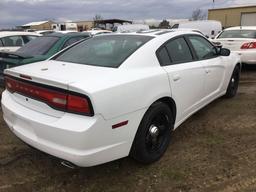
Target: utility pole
[{"x": 213, "y": 4}]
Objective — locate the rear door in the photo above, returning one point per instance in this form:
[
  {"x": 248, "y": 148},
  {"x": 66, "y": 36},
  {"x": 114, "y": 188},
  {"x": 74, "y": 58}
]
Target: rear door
[
  {"x": 186, "y": 76},
  {"x": 214, "y": 65}
]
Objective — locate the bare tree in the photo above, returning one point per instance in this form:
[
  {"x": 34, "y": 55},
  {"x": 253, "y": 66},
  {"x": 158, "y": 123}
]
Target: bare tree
[
  {"x": 96, "y": 19},
  {"x": 198, "y": 14}
]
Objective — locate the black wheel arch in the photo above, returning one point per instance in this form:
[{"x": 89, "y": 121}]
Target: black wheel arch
[{"x": 171, "y": 104}]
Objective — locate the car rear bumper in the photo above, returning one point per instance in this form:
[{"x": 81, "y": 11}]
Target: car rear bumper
[
  {"x": 83, "y": 141},
  {"x": 248, "y": 56}
]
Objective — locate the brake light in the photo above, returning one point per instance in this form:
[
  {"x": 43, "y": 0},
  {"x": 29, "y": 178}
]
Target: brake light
[
  {"x": 249, "y": 45},
  {"x": 56, "y": 98},
  {"x": 78, "y": 104}
]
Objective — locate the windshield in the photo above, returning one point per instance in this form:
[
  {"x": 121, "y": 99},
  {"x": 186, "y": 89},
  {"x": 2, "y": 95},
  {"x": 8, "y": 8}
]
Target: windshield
[
  {"x": 38, "y": 46},
  {"x": 249, "y": 34},
  {"x": 104, "y": 51}
]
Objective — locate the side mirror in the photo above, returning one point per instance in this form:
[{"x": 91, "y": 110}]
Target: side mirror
[{"x": 224, "y": 52}]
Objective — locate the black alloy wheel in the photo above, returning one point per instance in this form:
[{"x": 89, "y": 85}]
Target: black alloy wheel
[{"x": 153, "y": 135}]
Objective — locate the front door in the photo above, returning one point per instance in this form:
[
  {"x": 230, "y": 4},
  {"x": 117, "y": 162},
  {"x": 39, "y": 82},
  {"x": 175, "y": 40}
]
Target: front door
[{"x": 214, "y": 65}]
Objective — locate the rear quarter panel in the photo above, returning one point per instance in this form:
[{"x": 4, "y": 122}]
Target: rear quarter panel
[{"x": 126, "y": 91}]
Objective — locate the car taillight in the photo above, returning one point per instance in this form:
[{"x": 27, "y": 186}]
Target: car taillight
[
  {"x": 249, "y": 45},
  {"x": 78, "y": 104},
  {"x": 56, "y": 98}
]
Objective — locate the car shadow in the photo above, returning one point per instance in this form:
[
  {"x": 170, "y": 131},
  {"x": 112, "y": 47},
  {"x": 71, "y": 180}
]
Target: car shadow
[{"x": 249, "y": 68}]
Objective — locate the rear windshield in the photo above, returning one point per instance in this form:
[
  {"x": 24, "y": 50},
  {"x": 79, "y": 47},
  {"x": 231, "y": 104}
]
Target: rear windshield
[
  {"x": 104, "y": 51},
  {"x": 38, "y": 46},
  {"x": 250, "y": 34}
]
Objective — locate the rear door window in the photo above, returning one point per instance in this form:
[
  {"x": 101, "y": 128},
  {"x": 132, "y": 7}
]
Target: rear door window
[
  {"x": 163, "y": 57},
  {"x": 179, "y": 51},
  {"x": 1, "y": 43}
]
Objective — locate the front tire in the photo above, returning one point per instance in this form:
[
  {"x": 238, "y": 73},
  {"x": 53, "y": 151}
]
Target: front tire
[
  {"x": 233, "y": 83},
  {"x": 153, "y": 135}
]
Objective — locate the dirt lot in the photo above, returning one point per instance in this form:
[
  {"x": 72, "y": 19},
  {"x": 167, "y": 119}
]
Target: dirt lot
[{"x": 215, "y": 150}]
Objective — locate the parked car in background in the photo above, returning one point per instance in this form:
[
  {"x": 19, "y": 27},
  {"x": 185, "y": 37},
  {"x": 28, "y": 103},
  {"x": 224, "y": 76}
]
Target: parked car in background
[
  {"x": 66, "y": 31},
  {"x": 130, "y": 28},
  {"x": 209, "y": 28},
  {"x": 188, "y": 29},
  {"x": 240, "y": 40},
  {"x": 45, "y": 32},
  {"x": 13, "y": 40},
  {"x": 98, "y": 32},
  {"x": 38, "y": 49},
  {"x": 116, "y": 95}
]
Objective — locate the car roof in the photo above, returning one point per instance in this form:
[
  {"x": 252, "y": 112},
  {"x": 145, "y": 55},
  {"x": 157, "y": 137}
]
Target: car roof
[
  {"x": 73, "y": 34},
  {"x": 11, "y": 33},
  {"x": 157, "y": 33},
  {"x": 241, "y": 28}
]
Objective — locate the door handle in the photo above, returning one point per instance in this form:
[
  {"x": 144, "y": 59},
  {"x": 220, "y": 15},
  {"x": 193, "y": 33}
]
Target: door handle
[{"x": 176, "y": 77}]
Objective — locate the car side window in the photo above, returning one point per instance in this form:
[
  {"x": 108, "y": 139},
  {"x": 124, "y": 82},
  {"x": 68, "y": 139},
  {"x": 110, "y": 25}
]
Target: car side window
[
  {"x": 179, "y": 51},
  {"x": 163, "y": 57},
  {"x": 72, "y": 41},
  {"x": 203, "y": 48},
  {"x": 13, "y": 41},
  {"x": 1, "y": 43}
]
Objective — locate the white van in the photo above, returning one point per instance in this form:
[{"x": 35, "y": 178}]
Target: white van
[
  {"x": 209, "y": 28},
  {"x": 130, "y": 28}
]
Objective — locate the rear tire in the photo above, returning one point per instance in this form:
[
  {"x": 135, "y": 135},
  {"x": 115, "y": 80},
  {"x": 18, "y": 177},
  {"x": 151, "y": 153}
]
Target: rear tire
[
  {"x": 233, "y": 83},
  {"x": 153, "y": 135}
]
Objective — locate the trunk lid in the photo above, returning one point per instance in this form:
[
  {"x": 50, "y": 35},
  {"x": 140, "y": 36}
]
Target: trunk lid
[
  {"x": 87, "y": 79},
  {"x": 62, "y": 74}
]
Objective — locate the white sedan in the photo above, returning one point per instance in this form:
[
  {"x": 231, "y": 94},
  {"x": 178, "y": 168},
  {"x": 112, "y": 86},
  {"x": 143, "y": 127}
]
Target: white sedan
[
  {"x": 13, "y": 40},
  {"x": 240, "y": 40},
  {"x": 116, "y": 95},
  {"x": 98, "y": 32}
]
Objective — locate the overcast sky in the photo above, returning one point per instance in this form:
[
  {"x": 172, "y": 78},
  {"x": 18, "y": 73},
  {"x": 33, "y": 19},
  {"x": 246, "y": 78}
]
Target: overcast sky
[{"x": 19, "y": 12}]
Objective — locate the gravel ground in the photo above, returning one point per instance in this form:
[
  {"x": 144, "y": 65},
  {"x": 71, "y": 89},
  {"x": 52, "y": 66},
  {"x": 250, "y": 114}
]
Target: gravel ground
[{"x": 214, "y": 150}]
